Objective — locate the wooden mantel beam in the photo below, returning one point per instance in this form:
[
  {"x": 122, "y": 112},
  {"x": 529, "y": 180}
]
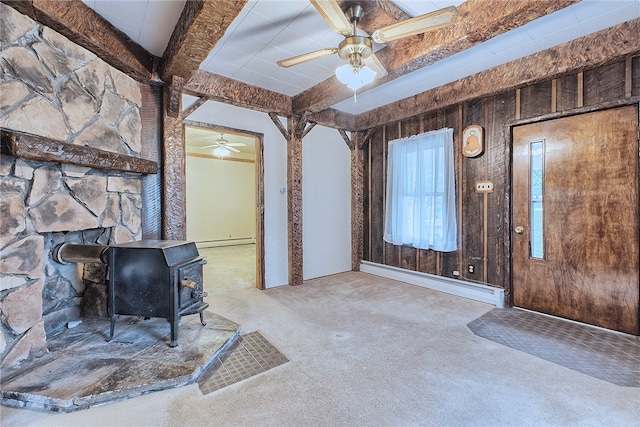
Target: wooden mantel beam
[
  {"x": 479, "y": 21},
  {"x": 604, "y": 47},
  {"x": 83, "y": 26},
  {"x": 201, "y": 25}
]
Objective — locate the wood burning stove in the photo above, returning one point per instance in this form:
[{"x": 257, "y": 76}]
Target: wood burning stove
[{"x": 150, "y": 278}]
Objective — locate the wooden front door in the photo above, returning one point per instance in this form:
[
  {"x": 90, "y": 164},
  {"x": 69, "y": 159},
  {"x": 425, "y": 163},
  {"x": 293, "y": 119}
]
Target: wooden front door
[{"x": 575, "y": 218}]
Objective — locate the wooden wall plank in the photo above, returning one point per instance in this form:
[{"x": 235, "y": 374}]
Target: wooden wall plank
[
  {"x": 635, "y": 76},
  {"x": 451, "y": 118},
  {"x": 604, "y": 84},
  {"x": 567, "y": 93},
  {"x": 500, "y": 110},
  {"x": 376, "y": 193},
  {"x": 472, "y": 202},
  {"x": 535, "y": 100},
  {"x": 391, "y": 252}
]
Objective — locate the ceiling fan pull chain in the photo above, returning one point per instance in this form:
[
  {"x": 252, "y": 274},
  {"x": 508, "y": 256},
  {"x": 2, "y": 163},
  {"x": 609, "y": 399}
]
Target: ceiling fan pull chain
[{"x": 355, "y": 98}]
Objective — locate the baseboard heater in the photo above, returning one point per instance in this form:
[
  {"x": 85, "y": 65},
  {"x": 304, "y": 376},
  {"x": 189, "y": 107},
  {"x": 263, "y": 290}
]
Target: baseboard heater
[
  {"x": 225, "y": 242},
  {"x": 474, "y": 291}
]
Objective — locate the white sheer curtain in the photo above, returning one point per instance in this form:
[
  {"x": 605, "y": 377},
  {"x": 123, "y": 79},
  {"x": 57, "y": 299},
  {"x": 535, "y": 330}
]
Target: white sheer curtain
[{"x": 421, "y": 206}]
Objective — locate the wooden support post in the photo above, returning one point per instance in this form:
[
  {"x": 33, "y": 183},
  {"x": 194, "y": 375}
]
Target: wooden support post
[
  {"x": 174, "y": 198},
  {"x": 294, "y": 198}
]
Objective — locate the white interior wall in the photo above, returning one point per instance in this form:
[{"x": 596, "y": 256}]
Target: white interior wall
[
  {"x": 326, "y": 193},
  {"x": 220, "y": 200},
  {"x": 326, "y": 203}
]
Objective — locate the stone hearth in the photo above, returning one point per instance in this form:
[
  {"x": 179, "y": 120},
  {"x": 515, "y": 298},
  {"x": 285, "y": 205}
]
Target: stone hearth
[{"x": 82, "y": 370}]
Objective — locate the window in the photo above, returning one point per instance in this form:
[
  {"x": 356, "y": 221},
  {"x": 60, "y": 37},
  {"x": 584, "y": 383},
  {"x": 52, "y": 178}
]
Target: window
[{"x": 420, "y": 206}]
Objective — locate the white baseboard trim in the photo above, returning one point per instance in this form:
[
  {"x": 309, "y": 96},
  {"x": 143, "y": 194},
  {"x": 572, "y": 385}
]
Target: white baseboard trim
[
  {"x": 231, "y": 242},
  {"x": 462, "y": 288}
]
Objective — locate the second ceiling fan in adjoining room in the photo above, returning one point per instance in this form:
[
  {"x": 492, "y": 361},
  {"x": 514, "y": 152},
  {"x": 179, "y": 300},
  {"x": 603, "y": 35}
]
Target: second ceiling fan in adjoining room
[{"x": 224, "y": 147}]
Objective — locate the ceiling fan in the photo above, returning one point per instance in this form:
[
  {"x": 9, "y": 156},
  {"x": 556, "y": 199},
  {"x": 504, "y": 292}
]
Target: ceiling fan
[
  {"x": 358, "y": 50},
  {"x": 222, "y": 144}
]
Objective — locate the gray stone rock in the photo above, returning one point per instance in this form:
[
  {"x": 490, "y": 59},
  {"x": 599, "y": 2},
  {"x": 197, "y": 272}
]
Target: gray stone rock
[
  {"x": 131, "y": 205},
  {"x": 37, "y": 116},
  {"x": 31, "y": 344},
  {"x": 22, "y": 64},
  {"x": 127, "y": 87},
  {"x": 131, "y": 130},
  {"x": 23, "y": 257},
  {"x": 6, "y": 164},
  {"x": 56, "y": 321},
  {"x": 23, "y": 170},
  {"x": 112, "y": 107},
  {"x": 12, "y": 218},
  {"x": 56, "y": 290},
  {"x": 95, "y": 300},
  {"x": 57, "y": 62},
  {"x": 74, "y": 171},
  {"x": 120, "y": 235},
  {"x": 13, "y": 92},
  {"x": 94, "y": 272},
  {"x": 61, "y": 212},
  {"x": 103, "y": 137},
  {"x": 3, "y": 342},
  {"x": 63, "y": 44},
  {"x": 13, "y": 24},
  {"x": 12, "y": 185},
  {"x": 111, "y": 210},
  {"x": 91, "y": 191},
  {"x": 123, "y": 184},
  {"x": 92, "y": 77},
  {"x": 22, "y": 308},
  {"x": 46, "y": 180},
  {"x": 10, "y": 282},
  {"x": 78, "y": 105}
]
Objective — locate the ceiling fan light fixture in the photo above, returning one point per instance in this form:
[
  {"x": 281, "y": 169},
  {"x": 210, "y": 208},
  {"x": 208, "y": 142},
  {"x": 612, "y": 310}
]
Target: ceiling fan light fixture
[
  {"x": 221, "y": 152},
  {"x": 355, "y": 77}
]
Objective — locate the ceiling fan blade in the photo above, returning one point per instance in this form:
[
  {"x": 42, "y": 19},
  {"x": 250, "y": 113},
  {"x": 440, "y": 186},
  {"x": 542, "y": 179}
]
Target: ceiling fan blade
[
  {"x": 209, "y": 146},
  {"x": 418, "y": 25},
  {"x": 235, "y": 150},
  {"x": 235, "y": 144},
  {"x": 335, "y": 17},
  {"x": 290, "y": 62},
  {"x": 374, "y": 63}
]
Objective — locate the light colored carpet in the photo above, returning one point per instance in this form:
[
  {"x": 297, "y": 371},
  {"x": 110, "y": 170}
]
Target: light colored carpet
[
  {"x": 229, "y": 268},
  {"x": 367, "y": 351}
]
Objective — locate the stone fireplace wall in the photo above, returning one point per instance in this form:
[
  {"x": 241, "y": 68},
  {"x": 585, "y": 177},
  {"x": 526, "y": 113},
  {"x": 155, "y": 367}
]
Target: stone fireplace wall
[{"x": 54, "y": 88}]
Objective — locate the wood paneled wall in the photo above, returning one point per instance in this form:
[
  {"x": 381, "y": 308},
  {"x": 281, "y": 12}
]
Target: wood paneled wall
[{"x": 486, "y": 248}]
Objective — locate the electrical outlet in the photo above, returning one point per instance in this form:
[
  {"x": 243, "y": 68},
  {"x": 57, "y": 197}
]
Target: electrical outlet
[
  {"x": 471, "y": 269},
  {"x": 484, "y": 187}
]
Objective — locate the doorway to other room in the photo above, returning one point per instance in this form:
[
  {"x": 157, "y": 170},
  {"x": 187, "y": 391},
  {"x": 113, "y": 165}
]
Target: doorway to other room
[{"x": 225, "y": 204}]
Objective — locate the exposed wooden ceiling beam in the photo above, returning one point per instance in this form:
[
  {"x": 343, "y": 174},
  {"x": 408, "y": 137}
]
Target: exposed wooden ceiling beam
[
  {"x": 607, "y": 46},
  {"x": 223, "y": 89},
  {"x": 479, "y": 21},
  {"x": 201, "y": 25},
  {"x": 83, "y": 26},
  {"x": 234, "y": 92}
]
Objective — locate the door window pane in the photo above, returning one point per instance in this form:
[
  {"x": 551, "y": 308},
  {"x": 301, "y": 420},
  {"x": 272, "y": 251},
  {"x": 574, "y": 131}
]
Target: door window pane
[{"x": 536, "y": 192}]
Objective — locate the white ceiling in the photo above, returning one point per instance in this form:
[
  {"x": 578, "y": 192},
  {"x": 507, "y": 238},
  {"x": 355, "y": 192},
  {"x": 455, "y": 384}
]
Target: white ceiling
[{"x": 267, "y": 31}]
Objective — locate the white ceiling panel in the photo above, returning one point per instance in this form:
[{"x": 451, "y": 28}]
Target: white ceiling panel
[{"x": 267, "y": 31}]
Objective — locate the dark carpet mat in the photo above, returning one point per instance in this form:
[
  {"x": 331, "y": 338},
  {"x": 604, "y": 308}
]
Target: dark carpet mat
[
  {"x": 250, "y": 355},
  {"x": 607, "y": 355}
]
